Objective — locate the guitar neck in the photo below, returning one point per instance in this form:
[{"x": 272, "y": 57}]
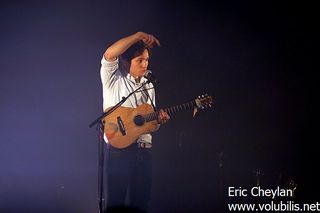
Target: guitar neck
[{"x": 171, "y": 110}]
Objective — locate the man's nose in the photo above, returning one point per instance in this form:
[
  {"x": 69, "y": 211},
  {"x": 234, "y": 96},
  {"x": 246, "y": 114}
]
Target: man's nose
[{"x": 144, "y": 64}]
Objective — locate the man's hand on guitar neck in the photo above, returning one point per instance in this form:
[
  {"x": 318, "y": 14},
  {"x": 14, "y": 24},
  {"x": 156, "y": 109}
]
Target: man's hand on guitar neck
[{"x": 163, "y": 117}]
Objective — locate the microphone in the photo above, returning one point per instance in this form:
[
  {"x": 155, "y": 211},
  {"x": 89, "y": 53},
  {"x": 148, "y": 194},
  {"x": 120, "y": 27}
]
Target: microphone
[{"x": 151, "y": 78}]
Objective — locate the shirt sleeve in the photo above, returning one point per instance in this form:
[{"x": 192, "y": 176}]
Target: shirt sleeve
[{"x": 108, "y": 71}]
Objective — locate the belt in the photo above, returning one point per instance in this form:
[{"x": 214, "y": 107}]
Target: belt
[{"x": 144, "y": 145}]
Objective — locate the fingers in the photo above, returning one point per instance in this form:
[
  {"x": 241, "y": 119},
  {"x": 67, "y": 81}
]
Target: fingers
[
  {"x": 163, "y": 117},
  {"x": 158, "y": 42},
  {"x": 150, "y": 40}
]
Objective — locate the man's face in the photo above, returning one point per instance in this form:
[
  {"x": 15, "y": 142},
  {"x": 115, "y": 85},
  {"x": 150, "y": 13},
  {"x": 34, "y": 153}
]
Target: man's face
[{"x": 139, "y": 64}]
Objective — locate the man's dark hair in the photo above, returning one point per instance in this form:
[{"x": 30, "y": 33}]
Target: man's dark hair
[{"x": 135, "y": 50}]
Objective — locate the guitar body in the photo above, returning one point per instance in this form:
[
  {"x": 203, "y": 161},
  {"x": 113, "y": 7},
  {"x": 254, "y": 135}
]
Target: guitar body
[{"x": 124, "y": 125}]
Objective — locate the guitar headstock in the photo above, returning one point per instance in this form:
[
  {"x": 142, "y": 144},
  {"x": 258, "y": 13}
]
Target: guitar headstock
[{"x": 202, "y": 102}]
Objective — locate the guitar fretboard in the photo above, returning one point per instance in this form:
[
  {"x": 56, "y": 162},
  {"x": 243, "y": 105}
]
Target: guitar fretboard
[{"x": 171, "y": 110}]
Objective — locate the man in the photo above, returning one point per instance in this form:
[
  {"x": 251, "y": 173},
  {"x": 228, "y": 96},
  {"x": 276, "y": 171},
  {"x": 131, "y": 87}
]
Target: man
[{"x": 123, "y": 67}]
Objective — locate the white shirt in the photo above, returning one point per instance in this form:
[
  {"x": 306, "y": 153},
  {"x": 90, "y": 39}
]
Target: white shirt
[{"x": 118, "y": 83}]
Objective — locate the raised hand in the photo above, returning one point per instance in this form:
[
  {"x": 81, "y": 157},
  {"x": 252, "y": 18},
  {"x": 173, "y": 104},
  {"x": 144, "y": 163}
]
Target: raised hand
[{"x": 149, "y": 39}]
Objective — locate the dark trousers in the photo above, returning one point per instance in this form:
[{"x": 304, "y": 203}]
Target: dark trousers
[{"x": 129, "y": 176}]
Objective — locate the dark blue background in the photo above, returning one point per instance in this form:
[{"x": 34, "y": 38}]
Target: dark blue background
[{"x": 255, "y": 59}]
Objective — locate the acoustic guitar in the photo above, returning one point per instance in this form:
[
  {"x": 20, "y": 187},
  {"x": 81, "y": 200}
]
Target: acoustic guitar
[{"x": 124, "y": 125}]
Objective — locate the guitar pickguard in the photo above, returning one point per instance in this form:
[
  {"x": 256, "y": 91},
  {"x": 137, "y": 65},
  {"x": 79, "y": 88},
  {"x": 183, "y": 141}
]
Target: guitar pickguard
[{"x": 110, "y": 129}]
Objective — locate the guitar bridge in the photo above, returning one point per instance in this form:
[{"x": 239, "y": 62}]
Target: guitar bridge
[{"x": 121, "y": 126}]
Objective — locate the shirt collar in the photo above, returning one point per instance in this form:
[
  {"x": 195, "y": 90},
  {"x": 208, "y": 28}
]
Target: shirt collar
[{"x": 132, "y": 79}]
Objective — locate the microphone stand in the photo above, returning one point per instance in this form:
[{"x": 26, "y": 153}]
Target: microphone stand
[{"x": 100, "y": 128}]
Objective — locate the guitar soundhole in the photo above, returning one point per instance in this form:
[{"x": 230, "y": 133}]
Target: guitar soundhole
[{"x": 139, "y": 120}]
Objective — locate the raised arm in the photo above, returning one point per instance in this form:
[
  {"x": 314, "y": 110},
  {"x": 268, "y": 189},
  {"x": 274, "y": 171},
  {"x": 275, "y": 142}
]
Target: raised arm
[{"x": 123, "y": 44}]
